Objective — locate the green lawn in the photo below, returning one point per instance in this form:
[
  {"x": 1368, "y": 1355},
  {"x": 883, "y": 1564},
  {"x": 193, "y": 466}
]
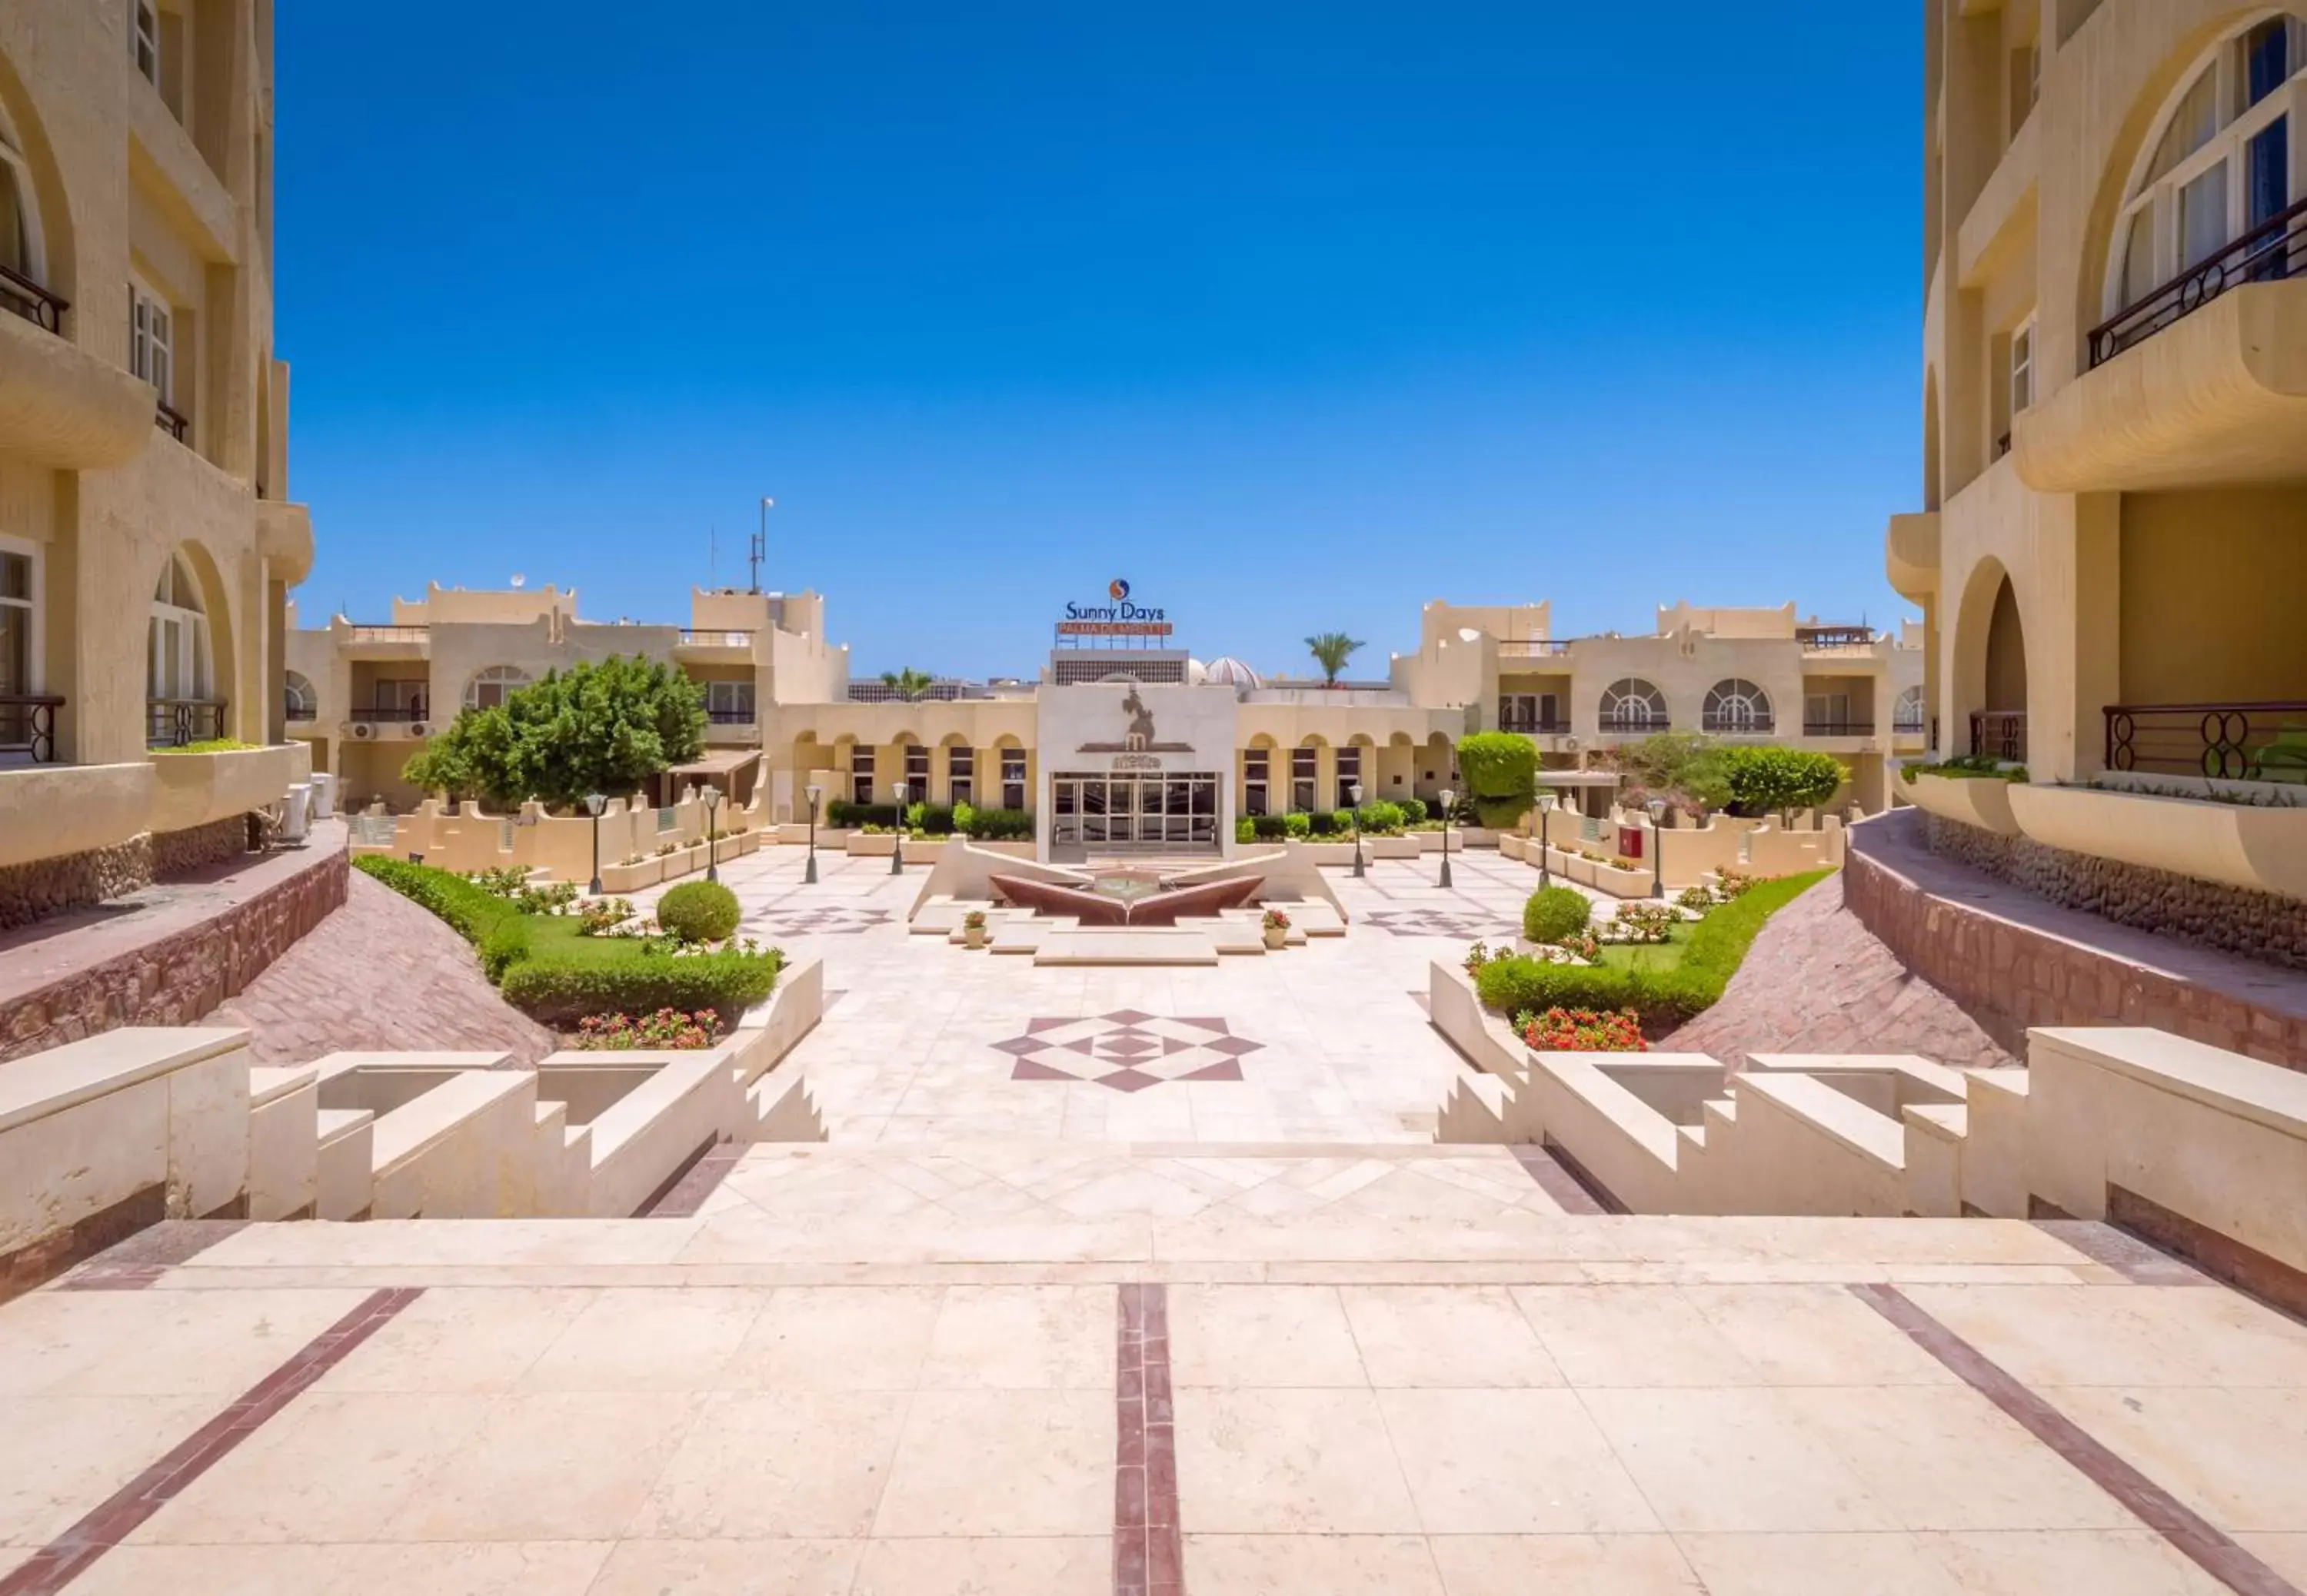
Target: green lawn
[{"x": 1650, "y": 956}]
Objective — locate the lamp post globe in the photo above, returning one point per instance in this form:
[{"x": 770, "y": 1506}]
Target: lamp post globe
[
  {"x": 1449, "y": 798},
  {"x": 1354, "y": 797},
  {"x": 899, "y": 792},
  {"x": 594, "y": 804},
  {"x": 808, "y": 871}
]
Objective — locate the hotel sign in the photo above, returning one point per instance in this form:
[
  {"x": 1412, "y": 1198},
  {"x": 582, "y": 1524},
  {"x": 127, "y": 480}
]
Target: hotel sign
[{"x": 1117, "y": 618}]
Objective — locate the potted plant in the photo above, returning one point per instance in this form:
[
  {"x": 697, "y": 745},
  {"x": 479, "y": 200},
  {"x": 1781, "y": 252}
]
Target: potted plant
[
  {"x": 1276, "y": 926},
  {"x": 973, "y": 928}
]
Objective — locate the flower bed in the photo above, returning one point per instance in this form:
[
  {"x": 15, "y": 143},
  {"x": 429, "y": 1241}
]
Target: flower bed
[
  {"x": 1582, "y": 1030},
  {"x": 666, "y": 1030}
]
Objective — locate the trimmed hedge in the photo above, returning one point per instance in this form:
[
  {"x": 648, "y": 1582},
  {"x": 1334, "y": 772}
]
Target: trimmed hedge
[
  {"x": 1716, "y": 947},
  {"x": 560, "y": 992},
  {"x": 843, "y": 815},
  {"x": 697, "y": 911},
  {"x": 1501, "y": 772},
  {"x": 993, "y": 826},
  {"x": 1554, "y": 913},
  {"x": 1414, "y": 810},
  {"x": 472, "y": 911}
]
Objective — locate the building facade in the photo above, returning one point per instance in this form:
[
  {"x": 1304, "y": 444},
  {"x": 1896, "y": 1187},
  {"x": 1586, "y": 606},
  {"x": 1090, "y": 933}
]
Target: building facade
[
  {"x": 1123, "y": 740},
  {"x": 147, "y": 543},
  {"x": 2109, "y": 549}
]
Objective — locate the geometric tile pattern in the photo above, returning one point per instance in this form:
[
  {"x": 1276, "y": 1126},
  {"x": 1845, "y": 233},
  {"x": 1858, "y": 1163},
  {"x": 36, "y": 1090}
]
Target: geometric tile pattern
[
  {"x": 830, "y": 921},
  {"x": 1439, "y": 922},
  {"x": 1128, "y": 1050}
]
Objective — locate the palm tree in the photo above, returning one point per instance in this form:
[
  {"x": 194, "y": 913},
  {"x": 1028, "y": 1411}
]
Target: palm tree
[
  {"x": 1331, "y": 650},
  {"x": 908, "y": 684}
]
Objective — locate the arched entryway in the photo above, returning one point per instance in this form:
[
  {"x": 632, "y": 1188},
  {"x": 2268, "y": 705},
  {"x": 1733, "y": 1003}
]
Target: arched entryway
[{"x": 1991, "y": 665}]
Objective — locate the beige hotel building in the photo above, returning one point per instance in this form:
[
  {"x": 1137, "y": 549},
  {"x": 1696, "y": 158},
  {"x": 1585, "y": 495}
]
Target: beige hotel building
[
  {"x": 1122, "y": 738},
  {"x": 2111, "y": 545}
]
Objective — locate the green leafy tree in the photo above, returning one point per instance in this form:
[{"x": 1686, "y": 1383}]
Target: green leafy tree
[
  {"x": 1331, "y": 651},
  {"x": 1779, "y": 780},
  {"x": 908, "y": 684},
  {"x": 1501, "y": 772},
  {"x": 594, "y": 727},
  {"x": 1686, "y": 769}
]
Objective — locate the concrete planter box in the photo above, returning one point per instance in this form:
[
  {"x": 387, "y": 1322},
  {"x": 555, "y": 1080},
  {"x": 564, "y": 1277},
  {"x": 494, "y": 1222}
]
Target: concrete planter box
[
  {"x": 1391, "y": 848},
  {"x": 193, "y": 790},
  {"x": 2262, "y": 850},
  {"x": 1983, "y": 801},
  {"x": 924, "y": 853},
  {"x": 1325, "y": 853},
  {"x": 1620, "y": 884},
  {"x": 629, "y": 878},
  {"x": 1014, "y": 850},
  {"x": 860, "y": 846},
  {"x": 47, "y": 811}
]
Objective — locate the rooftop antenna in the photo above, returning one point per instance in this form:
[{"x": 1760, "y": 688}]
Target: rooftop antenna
[{"x": 760, "y": 549}]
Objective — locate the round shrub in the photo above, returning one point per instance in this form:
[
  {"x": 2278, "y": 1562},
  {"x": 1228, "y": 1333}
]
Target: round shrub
[
  {"x": 697, "y": 911},
  {"x": 1554, "y": 913},
  {"x": 1414, "y": 810}
]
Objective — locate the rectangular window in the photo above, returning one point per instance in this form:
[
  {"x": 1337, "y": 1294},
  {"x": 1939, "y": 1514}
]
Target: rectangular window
[
  {"x": 151, "y": 352},
  {"x": 2140, "y": 276},
  {"x": 861, "y": 775},
  {"x": 2267, "y": 52},
  {"x": 1013, "y": 777},
  {"x": 1349, "y": 776},
  {"x": 2023, "y": 368},
  {"x": 2268, "y": 176},
  {"x": 2203, "y": 215},
  {"x": 960, "y": 774},
  {"x": 15, "y": 624},
  {"x": 144, "y": 41},
  {"x": 1255, "y": 774},
  {"x": 917, "y": 773},
  {"x": 729, "y": 703},
  {"x": 1518, "y": 712},
  {"x": 1303, "y": 769}
]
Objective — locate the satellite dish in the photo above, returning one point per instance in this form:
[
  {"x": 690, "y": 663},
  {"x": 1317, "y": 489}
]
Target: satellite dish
[{"x": 518, "y": 579}]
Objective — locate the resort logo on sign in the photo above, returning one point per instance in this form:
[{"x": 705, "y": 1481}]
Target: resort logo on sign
[
  {"x": 1137, "y": 748},
  {"x": 1119, "y": 618}
]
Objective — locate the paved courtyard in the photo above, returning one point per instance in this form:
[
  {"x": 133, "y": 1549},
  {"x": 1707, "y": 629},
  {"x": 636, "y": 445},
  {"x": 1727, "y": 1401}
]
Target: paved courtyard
[{"x": 1137, "y": 1282}]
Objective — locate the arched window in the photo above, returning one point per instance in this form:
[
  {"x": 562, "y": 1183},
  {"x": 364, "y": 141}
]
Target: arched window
[
  {"x": 1735, "y": 705},
  {"x": 488, "y": 689},
  {"x": 2217, "y": 167},
  {"x": 22, "y": 252},
  {"x": 302, "y": 702},
  {"x": 1633, "y": 705},
  {"x": 1907, "y": 714},
  {"x": 179, "y": 655}
]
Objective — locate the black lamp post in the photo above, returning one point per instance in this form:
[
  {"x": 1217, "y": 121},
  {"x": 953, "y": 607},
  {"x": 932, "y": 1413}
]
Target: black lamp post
[
  {"x": 1448, "y": 799},
  {"x": 1354, "y": 793},
  {"x": 1656, "y": 807},
  {"x": 712, "y": 847},
  {"x": 897, "y": 842},
  {"x": 594, "y": 804},
  {"x": 1546, "y": 802},
  {"x": 808, "y": 873}
]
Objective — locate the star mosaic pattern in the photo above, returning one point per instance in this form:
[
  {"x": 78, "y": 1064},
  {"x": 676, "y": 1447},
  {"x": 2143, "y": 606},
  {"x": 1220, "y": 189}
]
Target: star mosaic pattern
[
  {"x": 1128, "y": 1050},
  {"x": 831, "y": 921},
  {"x": 1439, "y": 922}
]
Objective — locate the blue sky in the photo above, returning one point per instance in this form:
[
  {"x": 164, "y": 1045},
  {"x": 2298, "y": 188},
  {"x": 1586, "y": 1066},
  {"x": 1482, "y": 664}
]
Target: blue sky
[{"x": 1295, "y": 315}]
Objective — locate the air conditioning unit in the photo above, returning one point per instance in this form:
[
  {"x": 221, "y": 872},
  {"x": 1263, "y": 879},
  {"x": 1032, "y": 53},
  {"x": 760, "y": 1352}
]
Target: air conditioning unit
[
  {"x": 363, "y": 731},
  {"x": 419, "y": 729}
]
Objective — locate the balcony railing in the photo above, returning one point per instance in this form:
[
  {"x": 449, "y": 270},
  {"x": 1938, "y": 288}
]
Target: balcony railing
[
  {"x": 2275, "y": 249},
  {"x": 1833, "y": 727},
  {"x": 1532, "y": 648},
  {"x": 1834, "y": 639},
  {"x": 390, "y": 634},
  {"x": 1636, "y": 725},
  {"x": 298, "y": 709},
  {"x": 1999, "y": 734},
  {"x": 25, "y": 297},
  {"x": 173, "y": 722},
  {"x": 730, "y": 717},
  {"x": 1909, "y": 726},
  {"x": 2233, "y": 742},
  {"x": 715, "y": 639},
  {"x": 173, "y": 423},
  {"x": 389, "y": 711},
  {"x": 1738, "y": 725},
  {"x": 1535, "y": 725},
  {"x": 28, "y": 724}
]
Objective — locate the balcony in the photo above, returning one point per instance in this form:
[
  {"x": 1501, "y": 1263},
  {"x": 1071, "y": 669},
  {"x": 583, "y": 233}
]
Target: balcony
[
  {"x": 1835, "y": 640},
  {"x": 2227, "y": 742},
  {"x": 299, "y": 709},
  {"x": 705, "y": 637},
  {"x": 1910, "y": 555},
  {"x": 1634, "y": 725},
  {"x": 1532, "y": 648},
  {"x": 1838, "y": 727},
  {"x": 35, "y": 303},
  {"x": 175, "y": 723},
  {"x": 2199, "y": 384},
  {"x": 1999, "y": 734},
  {"x": 28, "y": 726},
  {"x": 1535, "y": 725},
  {"x": 59, "y": 404},
  {"x": 1738, "y": 725},
  {"x": 173, "y": 423},
  {"x": 387, "y": 713},
  {"x": 730, "y": 717}
]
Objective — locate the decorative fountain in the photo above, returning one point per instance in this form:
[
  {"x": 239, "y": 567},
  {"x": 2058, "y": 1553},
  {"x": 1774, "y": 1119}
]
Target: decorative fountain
[{"x": 1129, "y": 896}]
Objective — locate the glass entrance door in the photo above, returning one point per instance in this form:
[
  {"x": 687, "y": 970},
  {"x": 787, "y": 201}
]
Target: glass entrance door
[{"x": 1149, "y": 813}]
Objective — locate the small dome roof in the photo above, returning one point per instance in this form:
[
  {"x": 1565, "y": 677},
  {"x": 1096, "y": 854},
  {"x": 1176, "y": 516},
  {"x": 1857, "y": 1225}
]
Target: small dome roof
[{"x": 1228, "y": 671}]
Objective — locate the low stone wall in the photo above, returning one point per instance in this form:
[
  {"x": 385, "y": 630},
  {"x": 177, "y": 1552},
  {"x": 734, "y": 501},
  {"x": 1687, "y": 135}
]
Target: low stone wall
[
  {"x": 34, "y": 890},
  {"x": 179, "y": 853},
  {"x": 2232, "y": 920},
  {"x": 2008, "y": 977},
  {"x": 178, "y": 977}
]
